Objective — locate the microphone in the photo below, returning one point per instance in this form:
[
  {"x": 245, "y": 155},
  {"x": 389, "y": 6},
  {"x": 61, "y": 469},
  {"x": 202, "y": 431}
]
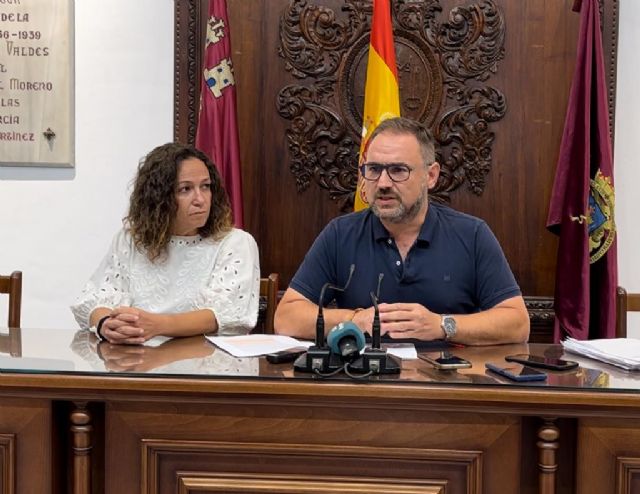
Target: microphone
[
  {"x": 320, "y": 316},
  {"x": 318, "y": 358},
  {"x": 375, "y": 360},
  {"x": 375, "y": 326},
  {"x": 346, "y": 340}
]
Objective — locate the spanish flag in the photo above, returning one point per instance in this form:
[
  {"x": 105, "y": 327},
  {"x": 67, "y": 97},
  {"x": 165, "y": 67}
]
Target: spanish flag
[{"x": 381, "y": 92}]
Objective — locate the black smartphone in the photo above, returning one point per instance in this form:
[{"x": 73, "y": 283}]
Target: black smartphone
[
  {"x": 444, "y": 360},
  {"x": 542, "y": 362},
  {"x": 516, "y": 372},
  {"x": 285, "y": 355}
]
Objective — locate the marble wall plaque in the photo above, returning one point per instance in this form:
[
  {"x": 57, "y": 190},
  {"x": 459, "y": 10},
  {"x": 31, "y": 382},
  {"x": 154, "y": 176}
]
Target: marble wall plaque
[{"x": 36, "y": 83}]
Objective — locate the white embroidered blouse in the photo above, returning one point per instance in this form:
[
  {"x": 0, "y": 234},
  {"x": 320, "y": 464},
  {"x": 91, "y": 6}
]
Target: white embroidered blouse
[{"x": 198, "y": 273}]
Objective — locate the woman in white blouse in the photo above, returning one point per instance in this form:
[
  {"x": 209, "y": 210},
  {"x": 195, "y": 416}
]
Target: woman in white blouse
[{"x": 177, "y": 267}]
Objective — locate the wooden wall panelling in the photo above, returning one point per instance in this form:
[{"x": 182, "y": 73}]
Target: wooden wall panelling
[
  {"x": 608, "y": 456},
  {"x": 169, "y": 446},
  {"x": 7, "y": 463},
  {"x": 533, "y": 73},
  {"x": 25, "y": 446}
]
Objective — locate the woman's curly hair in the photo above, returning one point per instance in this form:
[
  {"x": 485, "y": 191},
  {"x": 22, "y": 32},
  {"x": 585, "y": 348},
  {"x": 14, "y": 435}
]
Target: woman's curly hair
[{"x": 153, "y": 206}]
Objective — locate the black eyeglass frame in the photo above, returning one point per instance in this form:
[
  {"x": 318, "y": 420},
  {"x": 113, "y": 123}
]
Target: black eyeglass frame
[{"x": 385, "y": 167}]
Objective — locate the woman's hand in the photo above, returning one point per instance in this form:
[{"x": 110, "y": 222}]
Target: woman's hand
[
  {"x": 123, "y": 358},
  {"x": 131, "y": 326}
]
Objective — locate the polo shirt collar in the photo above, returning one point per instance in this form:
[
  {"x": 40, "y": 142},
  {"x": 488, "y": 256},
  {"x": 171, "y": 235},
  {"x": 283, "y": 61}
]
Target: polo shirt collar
[{"x": 426, "y": 230}]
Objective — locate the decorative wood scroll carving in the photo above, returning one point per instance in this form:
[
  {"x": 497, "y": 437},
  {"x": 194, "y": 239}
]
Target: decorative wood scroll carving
[
  {"x": 443, "y": 65},
  {"x": 542, "y": 317},
  {"x": 187, "y": 60}
]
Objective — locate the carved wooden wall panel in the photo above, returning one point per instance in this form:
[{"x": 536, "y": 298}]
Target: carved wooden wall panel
[
  {"x": 608, "y": 456},
  {"x": 492, "y": 78},
  {"x": 166, "y": 447},
  {"x": 444, "y": 69},
  {"x": 25, "y": 446}
]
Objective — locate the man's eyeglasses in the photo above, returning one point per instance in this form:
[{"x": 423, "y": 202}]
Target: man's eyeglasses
[{"x": 398, "y": 172}]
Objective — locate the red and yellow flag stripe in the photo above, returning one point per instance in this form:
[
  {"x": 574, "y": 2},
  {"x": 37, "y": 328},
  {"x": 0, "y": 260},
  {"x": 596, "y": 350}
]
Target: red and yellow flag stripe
[{"x": 381, "y": 93}]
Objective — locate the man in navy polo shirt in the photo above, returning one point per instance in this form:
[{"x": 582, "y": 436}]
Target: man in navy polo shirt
[{"x": 444, "y": 273}]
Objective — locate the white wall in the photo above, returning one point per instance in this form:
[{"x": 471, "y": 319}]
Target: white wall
[
  {"x": 627, "y": 165},
  {"x": 56, "y": 224}
]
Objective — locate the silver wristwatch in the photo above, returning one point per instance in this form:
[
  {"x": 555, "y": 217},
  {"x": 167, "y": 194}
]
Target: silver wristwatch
[{"x": 448, "y": 325}]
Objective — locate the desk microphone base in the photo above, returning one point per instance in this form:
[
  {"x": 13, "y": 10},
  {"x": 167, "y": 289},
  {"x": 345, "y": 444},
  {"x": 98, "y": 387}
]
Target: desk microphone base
[
  {"x": 318, "y": 359},
  {"x": 376, "y": 361}
]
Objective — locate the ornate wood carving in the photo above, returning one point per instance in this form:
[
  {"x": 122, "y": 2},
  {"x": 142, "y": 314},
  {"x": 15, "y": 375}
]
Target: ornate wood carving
[
  {"x": 187, "y": 59},
  {"x": 444, "y": 67},
  {"x": 610, "y": 25},
  {"x": 540, "y": 310},
  {"x": 542, "y": 317}
]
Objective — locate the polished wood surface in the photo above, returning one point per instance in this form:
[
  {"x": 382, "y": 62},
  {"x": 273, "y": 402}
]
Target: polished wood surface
[{"x": 206, "y": 422}]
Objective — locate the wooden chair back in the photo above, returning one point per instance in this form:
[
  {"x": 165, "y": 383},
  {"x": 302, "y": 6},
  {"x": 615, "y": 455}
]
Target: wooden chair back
[
  {"x": 625, "y": 302},
  {"x": 12, "y": 285},
  {"x": 268, "y": 301}
]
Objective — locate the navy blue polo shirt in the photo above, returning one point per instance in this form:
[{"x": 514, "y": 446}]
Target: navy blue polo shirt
[{"x": 456, "y": 265}]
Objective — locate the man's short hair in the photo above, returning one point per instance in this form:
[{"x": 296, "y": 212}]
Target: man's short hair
[{"x": 403, "y": 125}]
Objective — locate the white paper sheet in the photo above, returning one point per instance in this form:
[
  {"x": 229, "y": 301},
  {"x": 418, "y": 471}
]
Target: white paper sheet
[
  {"x": 405, "y": 351},
  {"x": 252, "y": 345}
]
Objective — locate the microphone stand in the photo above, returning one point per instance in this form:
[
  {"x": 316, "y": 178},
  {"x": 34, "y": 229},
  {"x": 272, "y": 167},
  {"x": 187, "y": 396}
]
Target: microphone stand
[
  {"x": 375, "y": 360},
  {"x": 318, "y": 358}
]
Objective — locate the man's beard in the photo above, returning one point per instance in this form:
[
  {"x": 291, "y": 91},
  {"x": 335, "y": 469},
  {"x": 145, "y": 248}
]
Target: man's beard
[{"x": 402, "y": 213}]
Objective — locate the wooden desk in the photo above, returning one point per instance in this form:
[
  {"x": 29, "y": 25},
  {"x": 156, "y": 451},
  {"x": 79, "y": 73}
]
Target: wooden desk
[{"x": 243, "y": 425}]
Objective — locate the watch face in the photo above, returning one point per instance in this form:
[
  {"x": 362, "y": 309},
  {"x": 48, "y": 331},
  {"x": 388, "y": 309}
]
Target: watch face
[{"x": 449, "y": 326}]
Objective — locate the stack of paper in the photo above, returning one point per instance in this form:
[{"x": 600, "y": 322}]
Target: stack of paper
[{"x": 622, "y": 352}]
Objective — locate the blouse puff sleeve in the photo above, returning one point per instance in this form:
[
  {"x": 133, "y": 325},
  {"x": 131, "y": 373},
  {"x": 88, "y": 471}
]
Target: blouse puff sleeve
[
  {"x": 234, "y": 289},
  {"x": 109, "y": 285}
]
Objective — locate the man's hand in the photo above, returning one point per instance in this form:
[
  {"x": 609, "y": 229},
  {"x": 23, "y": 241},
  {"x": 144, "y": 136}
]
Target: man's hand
[{"x": 410, "y": 321}]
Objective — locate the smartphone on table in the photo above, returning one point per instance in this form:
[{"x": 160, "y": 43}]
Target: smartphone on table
[
  {"x": 285, "y": 356},
  {"x": 542, "y": 362},
  {"x": 444, "y": 360},
  {"x": 516, "y": 372}
]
